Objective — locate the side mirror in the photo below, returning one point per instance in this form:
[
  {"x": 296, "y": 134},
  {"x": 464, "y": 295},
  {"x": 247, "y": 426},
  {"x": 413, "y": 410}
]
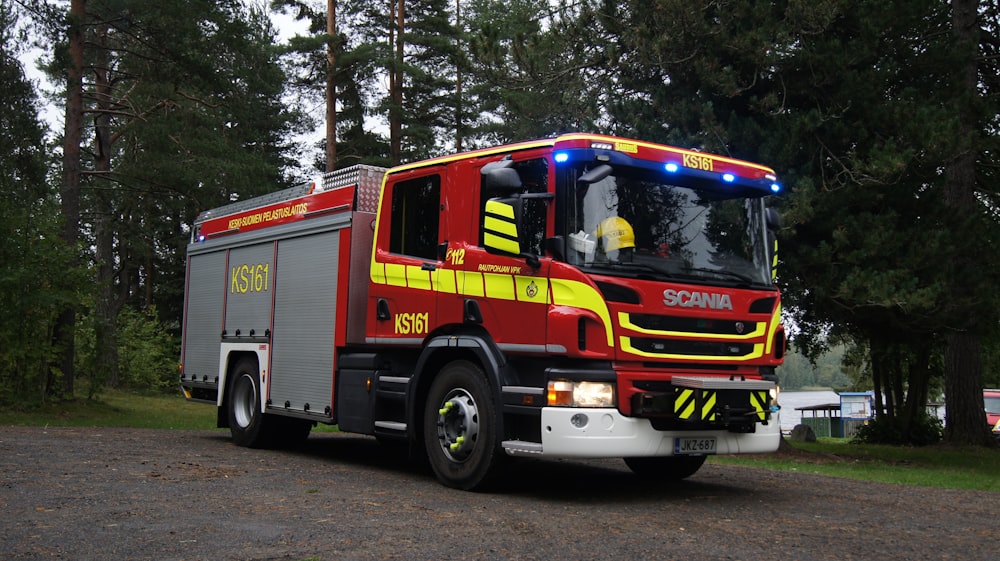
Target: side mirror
[
  {"x": 596, "y": 174},
  {"x": 508, "y": 227},
  {"x": 500, "y": 180},
  {"x": 773, "y": 222},
  {"x": 772, "y": 219}
]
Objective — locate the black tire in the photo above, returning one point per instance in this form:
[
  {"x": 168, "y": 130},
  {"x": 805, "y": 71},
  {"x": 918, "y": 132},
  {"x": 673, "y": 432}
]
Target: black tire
[
  {"x": 665, "y": 468},
  {"x": 460, "y": 427},
  {"x": 247, "y": 423}
]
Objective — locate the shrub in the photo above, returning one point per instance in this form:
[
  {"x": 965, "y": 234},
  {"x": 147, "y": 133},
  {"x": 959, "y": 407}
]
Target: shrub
[
  {"x": 147, "y": 354},
  {"x": 922, "y": 431}
]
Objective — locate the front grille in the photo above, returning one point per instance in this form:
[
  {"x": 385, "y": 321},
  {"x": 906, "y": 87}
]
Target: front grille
[
  {"x": 698, "y": 348},
  {"x": 692, "y": 325}
]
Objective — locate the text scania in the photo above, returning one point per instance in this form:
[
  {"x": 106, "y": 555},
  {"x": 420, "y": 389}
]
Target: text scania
[
  {"x": 688, "y": 299},
  {"x": 408, "y": 323}
]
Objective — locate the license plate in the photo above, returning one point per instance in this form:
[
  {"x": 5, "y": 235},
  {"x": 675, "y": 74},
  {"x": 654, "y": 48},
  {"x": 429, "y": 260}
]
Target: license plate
[{"x": 694, "y": 446}]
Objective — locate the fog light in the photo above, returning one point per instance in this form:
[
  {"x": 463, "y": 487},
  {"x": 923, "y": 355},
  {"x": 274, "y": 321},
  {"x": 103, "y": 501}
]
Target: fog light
[{"x": 579, "y": 420}]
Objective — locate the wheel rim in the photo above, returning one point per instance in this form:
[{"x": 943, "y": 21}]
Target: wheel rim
[
  {"x": 458, "y": 425},
  {"x": 244, "y": 399}
]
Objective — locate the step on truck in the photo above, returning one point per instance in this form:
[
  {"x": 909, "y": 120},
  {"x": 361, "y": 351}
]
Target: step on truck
[{"x": 581, "y": 296}]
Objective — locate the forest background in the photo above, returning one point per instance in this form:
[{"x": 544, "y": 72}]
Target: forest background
[{"x": 881, "y": 117}]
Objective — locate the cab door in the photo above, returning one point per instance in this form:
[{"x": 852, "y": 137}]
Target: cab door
[
  {"x": 509, "y": 295},
  {"x": 406, "y": 258}
]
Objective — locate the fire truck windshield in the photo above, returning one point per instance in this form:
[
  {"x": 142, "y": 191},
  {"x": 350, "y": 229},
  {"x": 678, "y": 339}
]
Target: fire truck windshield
[{"x": 630, "y": 221}]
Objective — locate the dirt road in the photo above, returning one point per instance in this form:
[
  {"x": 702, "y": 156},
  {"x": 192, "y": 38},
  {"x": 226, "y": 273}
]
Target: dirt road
[{"x": 107, "y": 494}]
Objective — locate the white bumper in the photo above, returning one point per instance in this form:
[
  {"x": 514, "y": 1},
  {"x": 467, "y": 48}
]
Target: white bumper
[{"x": 606, "y": 433}]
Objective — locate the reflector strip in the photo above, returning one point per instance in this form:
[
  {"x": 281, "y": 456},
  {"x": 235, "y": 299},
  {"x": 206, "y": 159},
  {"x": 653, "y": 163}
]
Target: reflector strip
[
  {"x": 759, "y": 401},
  {"x": 684, "y": 404},
  {"x": 708, "y": 398}
]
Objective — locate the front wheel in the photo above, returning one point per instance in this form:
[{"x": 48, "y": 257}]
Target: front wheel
[
  {"x": 665, "y": 468},
  {"x": 460, "y": 427}
]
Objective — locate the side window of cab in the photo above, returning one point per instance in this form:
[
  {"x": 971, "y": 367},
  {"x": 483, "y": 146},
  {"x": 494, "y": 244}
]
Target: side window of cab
[{"x": 413, "y": 229}]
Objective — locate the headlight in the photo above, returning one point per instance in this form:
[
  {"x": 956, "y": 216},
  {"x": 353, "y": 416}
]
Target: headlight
[{"x": 563, "y": 393}]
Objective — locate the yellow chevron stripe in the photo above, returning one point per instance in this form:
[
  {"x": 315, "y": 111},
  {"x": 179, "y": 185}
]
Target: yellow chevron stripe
[
  {"x": 759, "y": 401},
  {"x": 500, "y": 209},
  {"x": 502, "y": 244},
  {"x": 709, "y": 398},
  {"x": 684, "y": 403}
]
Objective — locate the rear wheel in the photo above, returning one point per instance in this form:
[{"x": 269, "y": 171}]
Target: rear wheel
[
  {"x": 246, "y": 420},
  {"x": 460, "y": 427},
  {"x": 665, "y": 468}
]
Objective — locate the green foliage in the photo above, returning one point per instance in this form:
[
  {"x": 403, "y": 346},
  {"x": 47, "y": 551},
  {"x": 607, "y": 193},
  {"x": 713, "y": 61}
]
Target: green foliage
[
  {"x": 852, "y": 101},
  {"x": 206, "y": 126},
  {"x": 33, "y": 280},
  {"x": 826, "y": 371},
  {"x": 926, "y": 430},
  {"x": 534, "y": 69},
  {"x": 147, "y": 354}
]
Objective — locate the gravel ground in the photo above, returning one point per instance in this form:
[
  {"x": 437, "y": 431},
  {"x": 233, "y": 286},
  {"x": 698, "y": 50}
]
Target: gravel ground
[{"x": 106, "y": 494}]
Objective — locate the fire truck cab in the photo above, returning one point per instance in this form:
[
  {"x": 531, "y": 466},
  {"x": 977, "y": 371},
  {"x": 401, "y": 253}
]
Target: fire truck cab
[{"x": 578, "y": 296}]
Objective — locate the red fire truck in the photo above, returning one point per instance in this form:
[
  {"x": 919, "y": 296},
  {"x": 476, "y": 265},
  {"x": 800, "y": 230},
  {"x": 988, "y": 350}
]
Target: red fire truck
[{"x": 581, "y": 296}]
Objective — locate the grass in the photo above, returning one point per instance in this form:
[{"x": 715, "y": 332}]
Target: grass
[
  {"x": 931, "y": 466},
  {"x": 116, "y": 409}
]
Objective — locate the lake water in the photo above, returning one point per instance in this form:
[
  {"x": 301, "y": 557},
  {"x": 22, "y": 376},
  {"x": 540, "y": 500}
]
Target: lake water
[{"x": 789, "y": 401}]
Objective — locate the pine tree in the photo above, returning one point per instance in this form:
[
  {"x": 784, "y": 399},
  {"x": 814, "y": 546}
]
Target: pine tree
[
  {"x": 34, "y": 284},
  {"x": 184, "y": 113},
  {"x": 849, "y": 100}
]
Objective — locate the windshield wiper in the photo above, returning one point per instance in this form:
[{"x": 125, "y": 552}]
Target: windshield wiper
[
  {"x": 632, "y": 267},
  {"x": 722, "y": 273}
]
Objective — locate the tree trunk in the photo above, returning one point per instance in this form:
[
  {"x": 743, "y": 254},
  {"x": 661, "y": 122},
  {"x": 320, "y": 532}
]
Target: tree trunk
[
  {"x": 105, "y": 218},
  {"x": 965, "y": 418},
  {"x": 65, "y": 329},
  {"x": 878, "y": 361},
  {"x": 331, "y": 86},
  {"x": 396, "y": 85},
  {"x": 914, "y": 408},
  {"x": 459, "y": 125}
]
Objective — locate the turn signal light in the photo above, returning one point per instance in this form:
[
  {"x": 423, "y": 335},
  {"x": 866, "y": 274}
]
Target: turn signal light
[{"x": 560, "y": 393}]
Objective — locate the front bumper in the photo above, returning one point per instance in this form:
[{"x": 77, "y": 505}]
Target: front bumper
[{"x": 606, "y": 433}]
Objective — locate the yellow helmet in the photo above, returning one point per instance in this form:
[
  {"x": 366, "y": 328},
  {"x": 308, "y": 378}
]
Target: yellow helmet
[{"x": 616, "y": 233}]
